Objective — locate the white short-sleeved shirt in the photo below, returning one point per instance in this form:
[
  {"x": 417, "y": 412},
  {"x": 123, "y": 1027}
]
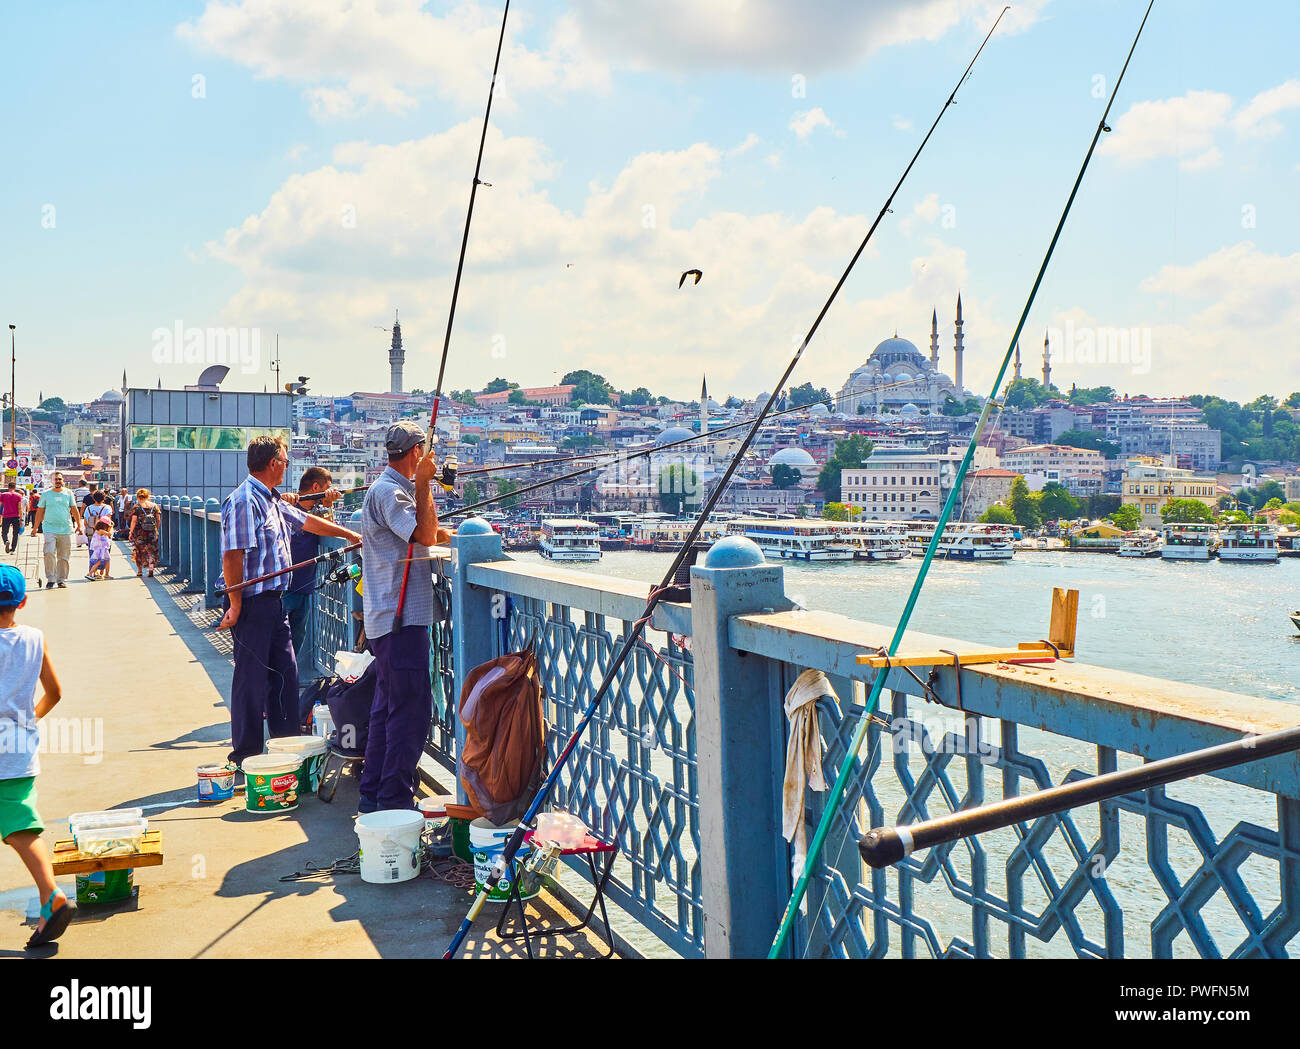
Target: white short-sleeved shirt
[{"x": 22, "y": 650}]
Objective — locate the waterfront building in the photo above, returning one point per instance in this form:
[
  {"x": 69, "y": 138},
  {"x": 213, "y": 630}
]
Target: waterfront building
[
  {"x": 1080, "y": 470},
  {"x": 985, "y": 488},
  {"x": 1150, "y": 487},
  {"x": 903, "y": 485}
]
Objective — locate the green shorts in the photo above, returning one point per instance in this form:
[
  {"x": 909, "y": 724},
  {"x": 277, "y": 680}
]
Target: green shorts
[{"x": 18, "y": 807}]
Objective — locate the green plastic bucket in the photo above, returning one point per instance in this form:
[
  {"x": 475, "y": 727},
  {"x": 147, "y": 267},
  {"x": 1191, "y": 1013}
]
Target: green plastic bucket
[
  {"x": 105, "y": 886},
  {"x": 460, "y": 840},
  {"x": 311, "y": 749},
  {"x": 488, "y": 842},
  {"x": 271, "y": 782}
]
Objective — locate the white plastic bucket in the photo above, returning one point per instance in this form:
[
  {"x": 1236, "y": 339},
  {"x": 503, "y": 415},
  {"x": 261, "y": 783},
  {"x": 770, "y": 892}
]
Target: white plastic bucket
[
  {"x": 390, "y": 845},
  {"x": 487, "y": 842},
  {"x": 310, "y": 749},
  {"x": 322, "y": 723}
]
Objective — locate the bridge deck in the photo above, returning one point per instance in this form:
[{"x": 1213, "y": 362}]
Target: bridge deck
[{"x": 145, "y": 687}]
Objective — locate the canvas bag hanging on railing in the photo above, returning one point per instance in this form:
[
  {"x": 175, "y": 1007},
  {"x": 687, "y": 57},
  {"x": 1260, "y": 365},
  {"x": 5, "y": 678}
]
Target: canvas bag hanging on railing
[{"x": 500, "y": 762}]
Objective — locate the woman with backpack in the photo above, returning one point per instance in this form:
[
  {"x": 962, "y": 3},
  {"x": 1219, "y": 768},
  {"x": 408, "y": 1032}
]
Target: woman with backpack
[{"x": 143, "y": 533}]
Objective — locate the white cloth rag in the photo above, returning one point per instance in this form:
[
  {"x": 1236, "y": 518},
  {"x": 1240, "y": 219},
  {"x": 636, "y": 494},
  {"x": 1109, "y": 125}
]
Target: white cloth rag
[{"x": 803, "y": 759}]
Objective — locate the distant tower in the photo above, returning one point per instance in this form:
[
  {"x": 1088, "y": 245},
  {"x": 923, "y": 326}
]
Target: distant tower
[
  {"x": 396, "y": 357},
  {"x": 1047, "y": 362},
  {"x": 1017, "y": 376},
  {"x": 934, "y": 339},
  {"x": 957, "y": 350},
  {"x": 124, "y": 382},
  {"x": 704, "y": 406}
]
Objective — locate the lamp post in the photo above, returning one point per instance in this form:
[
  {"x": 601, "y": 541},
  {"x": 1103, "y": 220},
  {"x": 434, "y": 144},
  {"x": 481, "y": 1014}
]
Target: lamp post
[{"x": 13, "y": 399}]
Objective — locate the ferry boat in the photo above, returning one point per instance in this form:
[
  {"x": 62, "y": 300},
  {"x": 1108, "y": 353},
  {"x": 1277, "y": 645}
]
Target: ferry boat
[
  {"x": 963, "y": 541},
  {"x": 570, "y": 539},
  {"x": 1145, "y": 542},
  {"x": 873, "y": 540},
  {"x": 1248, "y": 542},
  {"x": 1189, "y": 542},
  {"x": 796, "y": 540}
]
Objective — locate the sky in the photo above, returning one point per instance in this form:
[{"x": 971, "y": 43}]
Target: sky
[{"x": 301, "y": 168}]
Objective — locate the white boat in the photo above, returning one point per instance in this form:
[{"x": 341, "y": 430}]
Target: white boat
[
  {"x": 1248, "y": 542},
  {"x": 570, "y": 539},
  {"x": 1145, "y": 542},
  {"x": 963, "y": 541},
  {"x": 873, "y": 540},
  {"x": 1295, "y": 619},
  {"x": 795, "y": 540},
  {"x": 1189, "y": 542}
]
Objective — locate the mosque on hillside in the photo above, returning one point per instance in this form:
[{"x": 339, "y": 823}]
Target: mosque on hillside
[{"x": 897, "y": 377}]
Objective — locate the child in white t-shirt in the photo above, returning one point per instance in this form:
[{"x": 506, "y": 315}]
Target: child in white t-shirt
[
  {"x": 101, "y": 548},
  {"x": 24, "y": 663}
]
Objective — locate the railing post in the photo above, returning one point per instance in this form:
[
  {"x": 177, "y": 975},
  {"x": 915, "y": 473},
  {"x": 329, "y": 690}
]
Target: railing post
[
  {"x": 183, "y": 534},
  {"x": 740, "y": 744},
  {"x": 473, "y": 630},
  {"x": 212, "y": 551},
  {"x": 174, "y": 542},
  {"x": 197, "y": 566}
]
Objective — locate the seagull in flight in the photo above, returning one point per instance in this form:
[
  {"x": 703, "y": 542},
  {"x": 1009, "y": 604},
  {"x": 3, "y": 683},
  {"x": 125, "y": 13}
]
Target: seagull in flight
[{"x": 697, "y": 274}]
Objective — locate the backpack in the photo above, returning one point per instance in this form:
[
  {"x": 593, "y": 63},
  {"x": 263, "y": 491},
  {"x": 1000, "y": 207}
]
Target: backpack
[
  {"x": 146, "y": 520},
  {"x": 500, "y": 762}
]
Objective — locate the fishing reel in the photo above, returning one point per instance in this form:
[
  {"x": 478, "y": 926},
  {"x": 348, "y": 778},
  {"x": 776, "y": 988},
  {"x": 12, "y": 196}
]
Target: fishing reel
[
  {"x": 344, "y": 574},
  {"x": 449, "y": 470}
]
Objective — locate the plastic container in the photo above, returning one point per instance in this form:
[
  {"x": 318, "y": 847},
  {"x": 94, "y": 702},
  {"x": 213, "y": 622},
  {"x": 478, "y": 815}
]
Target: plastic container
[
  {"x": 111, "y": 841},
  {"x": 437, "y": 825},
  {"x": 562, "y": 828},
  {"x": 310, "y": 749},
  {"x": 390, "y": 845},
  {"x": 216, "y": 783},
  {"x": 271, "y": 782},
  {"x": 487, "y": 842},
  {"x": 104, "y": 818},
  {"x": 322, "y": 722}
]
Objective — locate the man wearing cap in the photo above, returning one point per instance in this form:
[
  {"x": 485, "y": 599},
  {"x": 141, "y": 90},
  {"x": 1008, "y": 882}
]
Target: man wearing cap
[
  {"x": 399, "y": 522},
  {"x": 257, "y": 524}
]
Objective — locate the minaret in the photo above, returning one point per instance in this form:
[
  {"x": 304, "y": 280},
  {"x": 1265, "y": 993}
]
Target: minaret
[
  {"x": 1047, "y": 363},
  {"x": 396, "y": 357},
  {"x": 934, "y": 340},
  {"x": 704, "y": 406},
  {"x": 124, "y": 382},
  {"x": 1017, "y": 375},
  {"x": 957, "y": 350}
]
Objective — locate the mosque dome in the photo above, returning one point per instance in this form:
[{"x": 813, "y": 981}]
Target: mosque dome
[
  {"x": 111, "y": 395},
  {"x": 796, "y": 457},
  {"x": 819, "y": 409},
  {"x": 896, "y": 351},
  {"x": 673, "y": 434}
]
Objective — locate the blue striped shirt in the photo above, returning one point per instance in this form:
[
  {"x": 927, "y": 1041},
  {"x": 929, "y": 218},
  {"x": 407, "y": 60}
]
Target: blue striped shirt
[{"x": 257, "y": 521}]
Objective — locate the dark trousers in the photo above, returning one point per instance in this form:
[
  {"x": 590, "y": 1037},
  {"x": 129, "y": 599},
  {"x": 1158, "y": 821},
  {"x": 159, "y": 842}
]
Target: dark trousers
[
  {"x": 266, "y": 675},
  {"x": 10, "y": 525},
  {"x": 399, "y": 718},
  {"x": 298, "y": 608}
]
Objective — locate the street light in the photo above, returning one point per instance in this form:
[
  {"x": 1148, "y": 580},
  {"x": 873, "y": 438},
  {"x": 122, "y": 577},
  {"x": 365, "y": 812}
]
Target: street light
[{"x": 13, "y": 399}]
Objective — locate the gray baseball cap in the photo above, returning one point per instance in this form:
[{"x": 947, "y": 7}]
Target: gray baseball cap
[{"x": 403, "y": 436}]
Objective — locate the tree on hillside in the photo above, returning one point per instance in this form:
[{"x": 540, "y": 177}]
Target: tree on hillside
[
  {"x": 638, "y": 396},
  {"x": 463, "y": 397},
  {"x": 52, "y": 404},
  {"x": 1022, "y": 505},
  {"x": 470, "y": 493},
  {"x": 590, "y": 388},
  {"x": 805, "y": 394},
  {"x": 505, "y": 493},
  {"x": 1128, "y": 518},
  {"x": 679, "y": 488},
  {"x": 499, "y": 385},
  {"x": 954, "y": 407},
  {"x": 1186, "y": 511},
  {"x": 1024, "y": 394},
  {"x": 1091, "y": 394},
  {"x": 1057, "y": 504},
  {"x": 850, "y": 454},
  {"x": 998, "y": 515},
  {"x": 785, "y": 476},
  {"x": 580, "y": 442},
  {"x": 1294, "y": 400},
  {"x": 840, "y": 512},
  {"x": 1089, "y": 439},
  {"x": 517, "y": 397}
]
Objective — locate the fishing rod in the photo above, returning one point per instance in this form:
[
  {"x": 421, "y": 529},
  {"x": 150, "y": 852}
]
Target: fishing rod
[
  {"x": 328, "y": 555},
  {"x": 884, "y": 846},
  {"x": 833, "y": 800},
  {"x": 633, "y": 636}
]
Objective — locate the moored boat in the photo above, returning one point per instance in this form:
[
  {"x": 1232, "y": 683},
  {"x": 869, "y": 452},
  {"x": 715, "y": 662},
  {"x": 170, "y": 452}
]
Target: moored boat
[
  {"x": 873, "y": 540},
  {"x": 1145, "y": 542},
  {"x": 569, "y": 539},
  {"x": 795, "y": 540},
  {"x": 1248, "y": 543},
  {"x": 1189, "y": 542},
  {"x": 963, "y": 541}
]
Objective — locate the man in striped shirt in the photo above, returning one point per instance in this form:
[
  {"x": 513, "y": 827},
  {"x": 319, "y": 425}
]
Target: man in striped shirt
[{"x": 257, "y": 523}]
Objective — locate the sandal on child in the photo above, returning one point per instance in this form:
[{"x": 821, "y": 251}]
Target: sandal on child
[{"x": 56, "y": 922}]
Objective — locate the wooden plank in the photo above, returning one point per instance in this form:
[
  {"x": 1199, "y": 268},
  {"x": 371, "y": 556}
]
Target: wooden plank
[
  {"x": 944, "y": 659},
  {"x": 1065, "y": 620},
  {"x": 67, "y": 860}
]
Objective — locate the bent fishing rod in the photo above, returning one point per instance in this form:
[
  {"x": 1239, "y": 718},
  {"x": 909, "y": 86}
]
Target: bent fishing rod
[
  {"x": 633, "y": 636},
  {"x": 833, "y": 800},
  {"x": 884, "y": 846}
]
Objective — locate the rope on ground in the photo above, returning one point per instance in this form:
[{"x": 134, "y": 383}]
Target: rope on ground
[{"x": 452, "y": 870}]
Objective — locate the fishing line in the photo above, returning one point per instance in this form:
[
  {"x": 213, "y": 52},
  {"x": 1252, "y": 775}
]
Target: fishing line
[
  {"x": 620, "y": 657},
  {"x": 841, "y": 782}
]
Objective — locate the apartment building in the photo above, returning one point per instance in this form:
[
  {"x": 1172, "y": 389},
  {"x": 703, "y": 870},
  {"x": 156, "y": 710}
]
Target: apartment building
[
  {"x": 1151, "y": 487},
  {"x": 1080, "y": 470}
]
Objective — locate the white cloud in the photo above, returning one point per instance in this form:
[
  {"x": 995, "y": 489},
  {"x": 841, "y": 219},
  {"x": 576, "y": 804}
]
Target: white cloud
[
  {"x": 776, "y": 36},
  {"x": 925, "y": 210},
  {"x": 306, "y": 267},
  {"x": 1255, "y": 118},
  {"x": 353, "y": 55},
  {"x": 805, "y": 123},
  {"x": 901, "y": 124},
  {"x": 1174, "y": 127},
  {"x": 1211, "y": 158},
  {"x": 751, "y": 140}
]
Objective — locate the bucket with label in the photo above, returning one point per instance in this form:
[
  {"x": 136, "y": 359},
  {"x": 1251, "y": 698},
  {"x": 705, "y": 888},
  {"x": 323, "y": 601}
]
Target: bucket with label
[
  {"x": 311, "y": 749},
  {"x": 105, "y": 886},
  {"x": 390, "y": 845},
  {"x": 216, "y": 783},
  {"x": 271, "y": 782},
  {"x": 487, "y": 842}
]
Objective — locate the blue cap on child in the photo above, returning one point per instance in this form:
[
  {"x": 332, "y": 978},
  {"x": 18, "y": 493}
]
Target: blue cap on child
[{"x": 13, "y": 587}]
